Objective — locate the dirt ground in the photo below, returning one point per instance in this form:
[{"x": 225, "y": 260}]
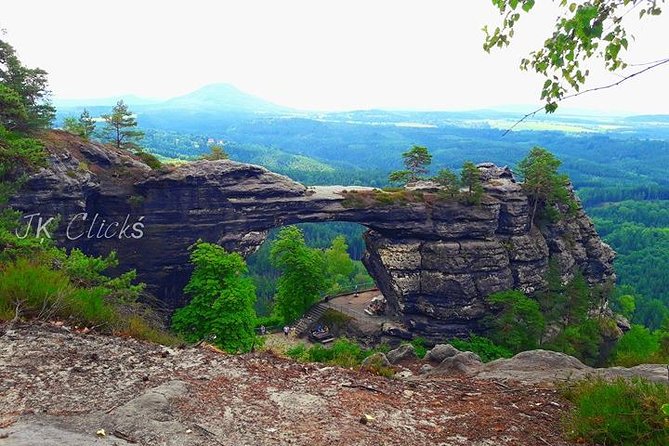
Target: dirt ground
[{"x": 59, "y": 387}]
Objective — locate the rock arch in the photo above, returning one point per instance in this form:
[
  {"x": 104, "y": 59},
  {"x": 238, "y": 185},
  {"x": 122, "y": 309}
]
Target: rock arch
[{"x": 434, "y": 261}]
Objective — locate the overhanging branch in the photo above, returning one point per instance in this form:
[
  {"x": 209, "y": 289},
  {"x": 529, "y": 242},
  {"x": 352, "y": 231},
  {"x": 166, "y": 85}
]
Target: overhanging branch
[{"x": 590, "y": 90}]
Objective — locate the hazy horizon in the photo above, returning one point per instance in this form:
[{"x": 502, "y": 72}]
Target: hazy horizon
[{"x": 325, "y": 56}]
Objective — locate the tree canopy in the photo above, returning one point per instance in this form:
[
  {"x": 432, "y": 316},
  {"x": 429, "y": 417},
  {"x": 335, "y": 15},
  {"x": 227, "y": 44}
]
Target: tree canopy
[
  {"x": 471, "y": 180},
  {"x": 83, "y": 126},
  {"x": 122, "y": 127},
  {"x": 302, "y": 274},
  {"x": 24, "y": 94},
  {"x": 416, "y": 161},
  {"x": 221, "y": 308},
  {"x": 543, "y": 183}
]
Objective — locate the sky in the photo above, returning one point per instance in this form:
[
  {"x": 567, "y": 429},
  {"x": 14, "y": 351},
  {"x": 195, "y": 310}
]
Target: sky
[{"x": 310, "y": 54}]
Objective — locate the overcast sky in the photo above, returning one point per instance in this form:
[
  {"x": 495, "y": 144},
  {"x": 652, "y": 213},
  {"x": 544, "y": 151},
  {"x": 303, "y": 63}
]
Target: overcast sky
[{"x": 307, "y": 54}]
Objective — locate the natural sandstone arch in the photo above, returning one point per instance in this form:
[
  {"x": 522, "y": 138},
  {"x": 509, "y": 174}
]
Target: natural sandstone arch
[{"x": 435, "y": 262}]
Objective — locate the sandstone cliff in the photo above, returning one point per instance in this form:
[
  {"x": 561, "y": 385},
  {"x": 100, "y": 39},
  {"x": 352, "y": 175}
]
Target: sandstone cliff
[{"x": 434, "y": 260}]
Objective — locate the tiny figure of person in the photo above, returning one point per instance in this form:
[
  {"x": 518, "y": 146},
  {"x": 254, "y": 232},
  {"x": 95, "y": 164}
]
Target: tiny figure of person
[
  {"x": 263, "y": 330},
  {"x": 286, "y": 330}
]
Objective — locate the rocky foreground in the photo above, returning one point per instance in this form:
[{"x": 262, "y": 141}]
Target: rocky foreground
[{"x": 60, "y": 387}]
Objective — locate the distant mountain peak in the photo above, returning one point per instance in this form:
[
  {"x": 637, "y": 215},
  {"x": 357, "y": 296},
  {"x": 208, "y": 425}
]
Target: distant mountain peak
[{"x": 222, "y": 97}]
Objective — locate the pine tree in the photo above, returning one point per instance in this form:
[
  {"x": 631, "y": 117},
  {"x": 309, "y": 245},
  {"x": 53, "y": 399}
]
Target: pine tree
[
  {"x": 543, "y": 183},
  {"x": 471, "y": 179},
  {"x": 87, "y": 124},
  {"x": 122, "y": 127},
  {"x": 24, "y": 94},
  {"x": 415, "y": 161},
  {"x": 447, "y": 179}
]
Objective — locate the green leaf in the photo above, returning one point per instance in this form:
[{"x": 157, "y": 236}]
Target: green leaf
[
  {"x": 528, "y": 5},
  {"x": 665, "y": 409}
]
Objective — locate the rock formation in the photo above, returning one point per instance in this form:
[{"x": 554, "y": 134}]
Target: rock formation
[{"x": 434, "y": 260}]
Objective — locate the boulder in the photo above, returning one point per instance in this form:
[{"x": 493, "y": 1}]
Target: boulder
[
  {"x": 376, "y": 360},
  {"x": 440, "y": 352},
  {"x": 463, "y": 363},
  {"x": 404, "y": 351},
  {"x": 537, "y": 360}
]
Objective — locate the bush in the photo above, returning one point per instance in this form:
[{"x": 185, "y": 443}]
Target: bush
[
  {"x": 342, "y": 353},
  {"x": 484, "y": 347},
  {"x": 298, "y": 353},
  {"x": 37, "y": 291},
  {"x": 137, "y": 327},
  {"x": 637, "y": 346},
  {"x": 269, "y": 321},
  {"x": 419, "y": 345},
  {"x": 621, "y": 412},
  {"x": 149, "y": 159}
]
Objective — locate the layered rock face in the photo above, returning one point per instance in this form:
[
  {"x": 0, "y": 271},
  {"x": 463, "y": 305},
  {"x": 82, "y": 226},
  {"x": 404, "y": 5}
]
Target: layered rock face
[
  {"x": 437, "y": 283},
  {"x": 434, "y": 260}
]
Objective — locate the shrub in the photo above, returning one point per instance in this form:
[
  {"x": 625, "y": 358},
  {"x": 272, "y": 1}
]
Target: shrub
[
  {"x": 298, "y": 353},
  {"x": 419, "y": 345},
  {"x": 342, "y": 353},
  {"x": 376, "y": 366},
  {"x": 620, "y": 412},
  {"x": 581, "y": 341},
  {"x": 347, "y": 354},
  {"x": 32, "y": 290},
  {"x": 137, "y": 327},
  {"x": 269, "y": 321},
  {"x": 484, "y": 347},
  {"x": 149, "y": 159},
  {"x": 637, "y": 346}
]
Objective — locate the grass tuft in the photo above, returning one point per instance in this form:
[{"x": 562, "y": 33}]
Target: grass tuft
[{"x": 620, "y": 412}]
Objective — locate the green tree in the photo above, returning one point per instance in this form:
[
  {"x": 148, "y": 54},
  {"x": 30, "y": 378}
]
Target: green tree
[
  {"x": 13, "y": 113},
  {"x": 302, "y": 274},
  {"x": 637, "y": 346},
  {"x": 71, "y": 125},
  {"x": 625, "y": 305},
  {"x": 471, "y": 180},
  {"x": 339, "y": 265},
  {"x": 518, "y": 323},
  {"x": 86, "y": 124},
  {"x": 447, "y": 179},
  {"x": 551, "y": 299},
  {"x": 222, "y": 300},
  {"x": 585, "y": 30},
  {"x": 416, "y": 161},
  {"x": 122, "y": 127},
  {"x": 577, "y": 300},
  {"x": 216, "y": 153},
  {"x": 542, "y": 182},
  {"x": 24, "y": 94},
  {"x": 18, "y": 156}
]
